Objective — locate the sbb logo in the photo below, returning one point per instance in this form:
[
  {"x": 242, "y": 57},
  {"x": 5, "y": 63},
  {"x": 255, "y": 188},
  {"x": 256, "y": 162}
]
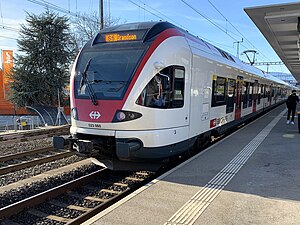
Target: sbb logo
[{"x": 94, "y": 115}]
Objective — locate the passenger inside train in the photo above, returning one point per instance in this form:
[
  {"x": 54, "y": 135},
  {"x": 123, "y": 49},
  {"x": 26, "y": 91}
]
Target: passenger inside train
[{"x": 165, "y": 89}]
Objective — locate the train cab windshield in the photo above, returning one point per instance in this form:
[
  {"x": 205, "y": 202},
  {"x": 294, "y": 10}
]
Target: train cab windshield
[{"x": 105, "y": 73}]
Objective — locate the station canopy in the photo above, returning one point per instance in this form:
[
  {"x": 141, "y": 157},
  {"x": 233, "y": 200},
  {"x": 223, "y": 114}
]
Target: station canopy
[{"x": 280, "y": 24}]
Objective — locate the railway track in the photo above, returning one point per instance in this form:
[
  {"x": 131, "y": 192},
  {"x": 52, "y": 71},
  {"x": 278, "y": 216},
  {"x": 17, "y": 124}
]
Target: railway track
[
  {"x": 74, "y": 201},
  {"x": 32, "y": 135},
  {"x": 15, "y": 162}
]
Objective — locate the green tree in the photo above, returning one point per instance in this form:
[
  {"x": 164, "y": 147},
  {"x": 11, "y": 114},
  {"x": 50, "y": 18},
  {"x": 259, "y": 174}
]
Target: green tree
[{"x": 42, "y": 67}]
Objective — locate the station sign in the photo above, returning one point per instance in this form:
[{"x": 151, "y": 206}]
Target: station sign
[
  {"x": 7, "y": 61},
  {"x": 7, "y": 64}
]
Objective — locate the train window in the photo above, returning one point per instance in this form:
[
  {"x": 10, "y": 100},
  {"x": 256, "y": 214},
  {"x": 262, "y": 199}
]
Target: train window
[
  {"x": 268, "y": 93},
  {"x": 106, "y": 72},
  {"x": 226, "y": 55},
  {"x": 280, "y": 92},
  {"x": 230, "y": 57},
  {"x": 230, "y": 95},
  {"x": 259, "y": 93},
  {"x": 218, "y": 92},
  {"x": 165, "y": 89},
  {"x": 250, "y": 94},
  {"x": 264, "y": 91},
  {"x": 245, "y": 94},
  {"x": 178, "y": 88}
]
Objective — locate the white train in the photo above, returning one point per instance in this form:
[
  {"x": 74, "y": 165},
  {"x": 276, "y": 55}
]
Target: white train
[{"x": 145, "y": 92}]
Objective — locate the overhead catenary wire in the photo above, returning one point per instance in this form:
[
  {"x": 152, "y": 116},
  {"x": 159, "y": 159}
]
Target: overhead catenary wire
[
  {"x": 168, "y": 18},
  {"x": 208, "y": 19},
  {"x": 1, "y": 12},
  {"x": 8, "y": 37},
  {"x": 153, "y": 11},
  {"x": 236, "y": 29},
  {"x": 217, "y": 25},
  {"x": 212, "y": 22},
  {"x": 9, "y": 28},
  {"x": 146, "y": 10},
  {"x": 164, "y": 17},
  {"x": 52, "y": 6}
]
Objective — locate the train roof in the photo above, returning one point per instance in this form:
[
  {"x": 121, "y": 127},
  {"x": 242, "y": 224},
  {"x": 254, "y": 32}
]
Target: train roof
[{"x": 147, "y": 30}]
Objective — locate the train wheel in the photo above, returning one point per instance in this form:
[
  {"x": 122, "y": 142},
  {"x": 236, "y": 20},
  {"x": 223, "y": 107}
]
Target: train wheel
[{"x": 201, "y": 142}]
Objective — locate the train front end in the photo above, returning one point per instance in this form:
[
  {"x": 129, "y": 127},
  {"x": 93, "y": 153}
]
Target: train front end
[{"x": 109, "y": 122}]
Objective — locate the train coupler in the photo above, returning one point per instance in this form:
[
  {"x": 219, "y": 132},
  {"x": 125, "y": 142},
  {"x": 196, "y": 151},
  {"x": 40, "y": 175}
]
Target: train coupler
[
  {"x": 59, "y": 142},
  {"x": 84, "y": 147}
]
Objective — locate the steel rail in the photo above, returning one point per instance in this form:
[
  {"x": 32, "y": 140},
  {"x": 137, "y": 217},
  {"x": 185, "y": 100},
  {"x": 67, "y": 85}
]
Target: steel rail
[
  {"x": 24, "y": 134},
  {"x": 24, "y": 154},
  {"x": 23, "y": 139},
  {"x": 30, "y": 202},
  {"x": 93, "y": 211},
  {"x": 23, "y": 165}
]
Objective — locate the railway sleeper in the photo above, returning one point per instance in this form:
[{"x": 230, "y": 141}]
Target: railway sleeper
[
  {"x": 134, "y": 179},
  {"x": 111, "y": 191},
  {"x": 145, "y": 174},
  {"x": 89, "y": 198},
  {"x": 64, "y": 205},
  {"x": 40, "y": 214},
  {"x": 95, "y": 199},
  {"x": 121, "y": 184}
]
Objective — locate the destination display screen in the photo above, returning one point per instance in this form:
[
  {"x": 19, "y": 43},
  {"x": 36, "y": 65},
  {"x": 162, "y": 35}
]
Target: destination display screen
[
  {"x": 120, "y": 36},
  {"x": 117, "y": 37}
]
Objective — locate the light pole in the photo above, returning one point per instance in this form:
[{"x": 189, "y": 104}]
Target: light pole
[
  {"x": 238, "y": 47},
  {"x": 101, "y": 14}
]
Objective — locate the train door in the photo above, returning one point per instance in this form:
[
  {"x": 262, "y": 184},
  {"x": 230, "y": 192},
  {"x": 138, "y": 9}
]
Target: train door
[
  {"x": 255, "y": 90},
  {"x": 231, "y": 83},
  {"x": 200, "y": 96},
  {"x": 270, "y": 94},
  {"x": 238, "y": 99}
]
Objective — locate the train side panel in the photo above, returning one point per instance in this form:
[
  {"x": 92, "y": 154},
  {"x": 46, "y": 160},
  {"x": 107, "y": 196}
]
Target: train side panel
[{"x": 200, "y": 107}]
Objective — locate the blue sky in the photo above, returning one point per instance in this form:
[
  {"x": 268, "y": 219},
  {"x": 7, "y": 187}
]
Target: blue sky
[{"x": 222, "y": 13}]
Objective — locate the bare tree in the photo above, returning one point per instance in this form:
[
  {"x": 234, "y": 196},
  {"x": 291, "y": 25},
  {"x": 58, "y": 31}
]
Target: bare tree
[{"x": 86, "y": 26}]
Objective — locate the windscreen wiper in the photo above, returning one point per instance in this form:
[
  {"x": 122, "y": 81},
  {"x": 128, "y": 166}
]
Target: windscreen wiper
[{"x": 85, "y": 81}]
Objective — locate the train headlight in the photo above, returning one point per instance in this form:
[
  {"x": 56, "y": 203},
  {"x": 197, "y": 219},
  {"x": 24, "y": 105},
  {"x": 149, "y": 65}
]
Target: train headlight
[
  {"x": 122, "y": 116},
  {"x": 74, "y": 113}
]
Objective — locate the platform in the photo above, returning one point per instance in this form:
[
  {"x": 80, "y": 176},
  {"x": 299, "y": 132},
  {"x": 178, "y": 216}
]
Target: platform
[{"x": 250, "y": 177}]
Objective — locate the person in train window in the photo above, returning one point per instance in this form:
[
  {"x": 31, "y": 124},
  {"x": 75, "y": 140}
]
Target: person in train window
[
  {"x": 159, "y": 99},
  {"x": 291, "y": 104},
  {"x": 155, "y": 93}
]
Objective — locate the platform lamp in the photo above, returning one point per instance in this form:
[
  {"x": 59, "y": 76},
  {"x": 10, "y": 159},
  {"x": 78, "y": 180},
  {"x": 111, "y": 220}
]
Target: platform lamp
[
  {"x": 298, "y": 42},
  {"x": 298, "y": 26},
  {"x": 58, "y": 117},
  {"x": 15, "y": 116}
]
